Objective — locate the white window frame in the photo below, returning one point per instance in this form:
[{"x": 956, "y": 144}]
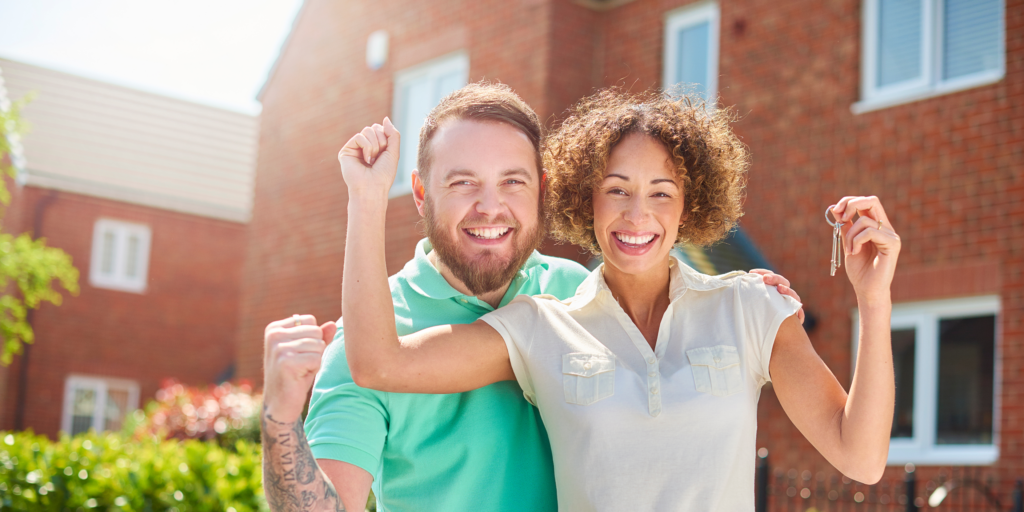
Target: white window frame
[
  {"x": 120, "y": 281},
  {"x": 924, "y": 317},
  {"x": 456, "y": 61},
  {"x": 931, "y": 83},
  {"x": 100, "y": 385},
  {"x": 682, "y": 18}
]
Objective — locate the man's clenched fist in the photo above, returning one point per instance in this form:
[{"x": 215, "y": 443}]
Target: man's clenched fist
[{"x": 292, "y": 349}]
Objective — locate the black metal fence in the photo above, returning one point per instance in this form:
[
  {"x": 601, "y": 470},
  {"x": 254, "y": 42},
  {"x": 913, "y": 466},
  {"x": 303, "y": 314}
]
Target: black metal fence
[{"x": 966, "y": 489}]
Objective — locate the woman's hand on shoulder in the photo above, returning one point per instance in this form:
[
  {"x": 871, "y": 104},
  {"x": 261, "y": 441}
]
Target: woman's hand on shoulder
[{"x": 870, "y": 244}]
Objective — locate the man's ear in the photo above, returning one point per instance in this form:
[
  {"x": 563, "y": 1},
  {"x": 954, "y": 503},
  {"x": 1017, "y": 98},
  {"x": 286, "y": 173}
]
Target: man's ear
[{"x": 418, "y": 191}]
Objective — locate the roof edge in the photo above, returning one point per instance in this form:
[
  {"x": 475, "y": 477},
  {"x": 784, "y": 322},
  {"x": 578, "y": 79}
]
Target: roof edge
[{"x": 280, "y": 52}]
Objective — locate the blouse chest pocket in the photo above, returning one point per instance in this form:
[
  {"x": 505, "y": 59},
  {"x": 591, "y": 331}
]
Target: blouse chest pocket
[
  {"x": 587, "y": 378},
  {"x": 716, "y": 370}
]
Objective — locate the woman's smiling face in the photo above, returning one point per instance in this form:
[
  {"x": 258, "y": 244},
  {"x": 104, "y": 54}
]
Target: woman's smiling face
[{"x": 638, "y": 206}]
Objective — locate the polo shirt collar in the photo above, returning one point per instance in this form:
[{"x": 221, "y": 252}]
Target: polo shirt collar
[
  {"x": 425, "y": 279},
  {"x": 681, "y": 279}
]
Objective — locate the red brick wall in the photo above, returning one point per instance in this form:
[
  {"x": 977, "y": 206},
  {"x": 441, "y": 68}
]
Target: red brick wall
[
  {"x": 948, "y": 169},
  {"x": 183, "y": 326}
]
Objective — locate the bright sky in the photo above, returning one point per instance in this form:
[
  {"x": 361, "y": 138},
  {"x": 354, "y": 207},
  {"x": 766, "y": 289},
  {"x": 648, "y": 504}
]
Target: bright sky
[{"x": 216, "y": 52}]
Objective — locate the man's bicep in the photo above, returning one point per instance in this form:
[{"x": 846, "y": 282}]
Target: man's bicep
[
  {"x": 351, "y": 482},
  {"x": 346, "y": 422}
]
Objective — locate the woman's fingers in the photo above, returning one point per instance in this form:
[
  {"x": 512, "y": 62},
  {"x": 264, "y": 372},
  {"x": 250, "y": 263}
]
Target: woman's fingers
[
  {"x": 382, "y": 138},
  {"x": 866, "y": 206},
  {"x": 885, "y": 242},
  {"x": 372, "y": 148}
]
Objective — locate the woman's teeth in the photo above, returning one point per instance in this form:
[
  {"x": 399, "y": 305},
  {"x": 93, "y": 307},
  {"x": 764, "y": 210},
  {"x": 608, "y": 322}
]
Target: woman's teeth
[
  {"x": 634, "y": 240},
  {"x": 488, "y": 233}
]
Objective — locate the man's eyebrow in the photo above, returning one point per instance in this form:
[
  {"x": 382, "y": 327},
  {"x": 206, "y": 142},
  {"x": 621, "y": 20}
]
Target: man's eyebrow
[
  {"x": 455, "y": 173},
  {"x": 518, "y": 171}
]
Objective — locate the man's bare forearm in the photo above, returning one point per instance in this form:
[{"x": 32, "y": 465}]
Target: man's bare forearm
[{"x": 292, "y": 480}]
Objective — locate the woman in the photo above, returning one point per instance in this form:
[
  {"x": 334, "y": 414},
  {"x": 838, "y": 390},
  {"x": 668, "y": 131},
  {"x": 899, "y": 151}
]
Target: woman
[{"x": 648, "y": 379}]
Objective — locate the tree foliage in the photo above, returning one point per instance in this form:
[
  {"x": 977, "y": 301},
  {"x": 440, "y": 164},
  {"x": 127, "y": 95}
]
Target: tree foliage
[{"x": 28, "y": 268}]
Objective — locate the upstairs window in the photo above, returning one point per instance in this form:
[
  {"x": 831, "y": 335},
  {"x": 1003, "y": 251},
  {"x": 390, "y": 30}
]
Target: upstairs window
[
  {"x": 97, "y": 403},
  {"x": 691, "y": 50},
  {"x": 914, "y": 49},
  {"x": 120, "y": 256},
  {"x": 944, "y": 355},
  {"x": 417, "y": 91}
]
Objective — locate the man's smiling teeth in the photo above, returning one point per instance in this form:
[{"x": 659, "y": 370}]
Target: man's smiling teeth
[
  {"x": 634, "y": 240},
  {"x": 488, "y": 233}
]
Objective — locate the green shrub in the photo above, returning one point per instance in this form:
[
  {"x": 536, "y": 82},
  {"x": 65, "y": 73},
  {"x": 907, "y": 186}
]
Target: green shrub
[{"x": 113, "y": 471}]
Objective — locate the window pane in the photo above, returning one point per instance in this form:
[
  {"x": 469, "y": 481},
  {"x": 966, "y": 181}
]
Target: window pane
[
  {"x": 132, "y": 257},
  {"x": 899, "y": 41},
  {"x": 418, "y": 100},
  {"x": 692, "y": 67},
  {"x": 447, "y": 84},
  {"x": 903, "y": 345},
  {"x": 117, "y": 405},
  {"x": 973, "y": 32},
  {"x": 107, "y": 254},
  {"x": 82, "y": 409},
  {"x": 966, "y": 362}
]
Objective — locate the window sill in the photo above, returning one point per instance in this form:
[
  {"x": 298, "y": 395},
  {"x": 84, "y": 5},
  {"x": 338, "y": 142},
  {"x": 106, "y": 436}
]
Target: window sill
[
  {"x": 139, "y": 288},
  {"x": 954, "y": 455},
  {"x": 882, "y": 101}
]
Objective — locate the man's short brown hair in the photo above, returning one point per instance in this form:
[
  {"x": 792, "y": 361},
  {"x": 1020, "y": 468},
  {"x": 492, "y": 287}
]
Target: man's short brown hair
[
  {"x": 481, "y": 101},
  {"x": 710, "y": 161}
]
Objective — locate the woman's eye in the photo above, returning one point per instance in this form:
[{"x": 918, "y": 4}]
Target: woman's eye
[{"x": 617, "y": 191}]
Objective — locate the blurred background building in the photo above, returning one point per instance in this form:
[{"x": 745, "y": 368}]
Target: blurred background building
[
  {"x": 920, "y": 102},
  {"x": 150, "y": 196}
]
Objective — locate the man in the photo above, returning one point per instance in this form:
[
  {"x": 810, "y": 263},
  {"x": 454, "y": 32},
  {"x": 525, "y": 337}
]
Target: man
[{"x": 478, "y": 186}]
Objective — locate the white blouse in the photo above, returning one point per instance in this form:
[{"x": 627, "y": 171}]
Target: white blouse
[{"x": 638, "y": 429}]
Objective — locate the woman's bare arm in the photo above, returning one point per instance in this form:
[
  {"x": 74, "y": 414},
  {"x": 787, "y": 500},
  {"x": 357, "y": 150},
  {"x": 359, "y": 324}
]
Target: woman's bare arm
[
  {"x": 444, "y": 359},
  {"x": 850, "y": 430}
]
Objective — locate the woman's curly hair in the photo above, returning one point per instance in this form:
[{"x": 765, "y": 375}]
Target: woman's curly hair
[{"x": 711, "y": 162}]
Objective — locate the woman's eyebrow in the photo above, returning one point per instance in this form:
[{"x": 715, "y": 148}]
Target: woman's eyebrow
[{"x": 619, "y": 176}]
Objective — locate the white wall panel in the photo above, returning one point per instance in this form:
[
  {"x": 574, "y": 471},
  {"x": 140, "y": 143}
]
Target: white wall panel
[{"x": 105, "y": 140}]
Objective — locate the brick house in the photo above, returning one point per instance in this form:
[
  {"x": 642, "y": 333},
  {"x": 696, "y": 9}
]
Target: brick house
[
  {"x": 919, "y": 102},
  {"x": 150, "y": 196}
]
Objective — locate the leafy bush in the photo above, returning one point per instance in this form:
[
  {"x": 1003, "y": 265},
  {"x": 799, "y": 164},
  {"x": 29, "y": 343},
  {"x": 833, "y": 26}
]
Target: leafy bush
[
  {"x": 225, "y": 413},
  {"x": 112, "y": 471}
]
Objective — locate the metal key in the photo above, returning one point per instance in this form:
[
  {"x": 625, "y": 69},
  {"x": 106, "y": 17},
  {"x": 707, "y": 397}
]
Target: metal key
[{"x": 837, "y": 241}]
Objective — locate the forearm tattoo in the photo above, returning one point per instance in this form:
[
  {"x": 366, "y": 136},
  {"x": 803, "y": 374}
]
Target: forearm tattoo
[{"x": 292, "y": 480}]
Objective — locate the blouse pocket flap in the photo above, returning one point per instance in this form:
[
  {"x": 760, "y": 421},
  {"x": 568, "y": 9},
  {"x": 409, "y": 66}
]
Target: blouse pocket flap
[
  {"x": 586, "y": 365},
  {"x": 718, "y": 356}
]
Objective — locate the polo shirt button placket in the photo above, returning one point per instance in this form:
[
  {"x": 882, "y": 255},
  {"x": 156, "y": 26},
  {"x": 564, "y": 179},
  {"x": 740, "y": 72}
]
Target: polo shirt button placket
[{"x": 653, "y": 400}]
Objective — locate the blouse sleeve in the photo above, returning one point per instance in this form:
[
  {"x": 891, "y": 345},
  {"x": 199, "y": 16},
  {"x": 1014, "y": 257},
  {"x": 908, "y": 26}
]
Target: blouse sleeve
[
  {"x": 764, "y": 310},
  {"x": 515, "y": 322}
]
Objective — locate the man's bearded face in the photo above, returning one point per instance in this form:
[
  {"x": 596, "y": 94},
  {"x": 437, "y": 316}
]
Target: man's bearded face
[
  {"x": 482, "y": 205},
  {"x": 482, "y": 269}
]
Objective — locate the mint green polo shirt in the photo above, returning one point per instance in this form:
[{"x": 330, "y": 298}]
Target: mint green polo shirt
[{"x": 481, "y": 451}]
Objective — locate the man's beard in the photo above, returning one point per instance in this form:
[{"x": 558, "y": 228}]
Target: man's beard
[{"x": 487, "y": 272}]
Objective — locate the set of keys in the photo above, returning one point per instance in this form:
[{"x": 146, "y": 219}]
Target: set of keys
[{"x": 837, "y": 240}]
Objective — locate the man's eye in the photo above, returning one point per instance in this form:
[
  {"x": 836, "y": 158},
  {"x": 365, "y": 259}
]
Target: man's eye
[{"x": 515, "y": 182}]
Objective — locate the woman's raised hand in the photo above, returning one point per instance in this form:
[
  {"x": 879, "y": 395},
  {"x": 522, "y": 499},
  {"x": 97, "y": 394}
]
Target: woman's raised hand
[
  {"x": 871, "y": 246},
  {"x": 369, "y": 160}
]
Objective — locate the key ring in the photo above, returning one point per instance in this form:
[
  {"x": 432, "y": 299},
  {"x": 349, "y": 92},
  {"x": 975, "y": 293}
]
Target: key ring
[{"x": 830, "y": 223}]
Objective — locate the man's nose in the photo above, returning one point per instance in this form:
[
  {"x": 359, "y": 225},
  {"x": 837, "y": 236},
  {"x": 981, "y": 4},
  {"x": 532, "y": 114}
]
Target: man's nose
[{"x": 490, "y": 202}]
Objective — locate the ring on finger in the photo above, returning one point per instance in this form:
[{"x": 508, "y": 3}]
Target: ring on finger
[{"x": 298, "y": 320}]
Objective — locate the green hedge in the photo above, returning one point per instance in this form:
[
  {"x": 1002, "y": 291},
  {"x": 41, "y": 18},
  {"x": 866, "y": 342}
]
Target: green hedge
[{"x": 112, "y": 471}]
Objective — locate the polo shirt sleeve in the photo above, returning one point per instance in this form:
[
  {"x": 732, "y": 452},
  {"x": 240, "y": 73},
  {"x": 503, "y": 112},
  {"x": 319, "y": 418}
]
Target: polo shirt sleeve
[
  {"x": 764, "y": 309},
  {"x": 515, "y": 322},
  {"x": 345, "y": 422}
]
